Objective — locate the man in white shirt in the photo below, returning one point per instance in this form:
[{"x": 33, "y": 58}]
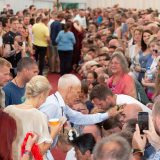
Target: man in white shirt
[
  {"x": 81, "y": 19},
  {"x": 103, "y": 98},
  {"x": 58, "y": 104}
]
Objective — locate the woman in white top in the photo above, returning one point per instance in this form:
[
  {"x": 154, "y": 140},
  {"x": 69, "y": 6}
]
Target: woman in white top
[
  {"x": 30, "y": 119},
  {"x": 135, "y": 50}
]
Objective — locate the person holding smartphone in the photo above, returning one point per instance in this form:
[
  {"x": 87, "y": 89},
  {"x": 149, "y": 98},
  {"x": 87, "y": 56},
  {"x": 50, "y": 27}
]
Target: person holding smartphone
[{"x": 141, "y": 149}]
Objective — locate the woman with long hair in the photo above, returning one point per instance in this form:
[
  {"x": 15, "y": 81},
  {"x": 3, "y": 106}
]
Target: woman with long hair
[
  {"x": 144, "y": 55},
  {"x": 134, "y": 51}
]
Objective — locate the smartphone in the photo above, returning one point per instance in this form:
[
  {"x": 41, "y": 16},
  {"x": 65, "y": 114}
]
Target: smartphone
[{"x": 143, "y": 121}]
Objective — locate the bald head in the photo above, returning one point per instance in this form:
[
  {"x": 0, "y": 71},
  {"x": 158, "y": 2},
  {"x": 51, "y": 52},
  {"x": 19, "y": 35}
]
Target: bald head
[
  {"x": 114, "y": 42},
  {"x": 130, "y": 112}
]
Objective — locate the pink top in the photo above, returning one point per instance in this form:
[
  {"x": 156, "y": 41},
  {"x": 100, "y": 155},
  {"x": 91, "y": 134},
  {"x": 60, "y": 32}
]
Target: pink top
[{"x": 125, "y": 85}]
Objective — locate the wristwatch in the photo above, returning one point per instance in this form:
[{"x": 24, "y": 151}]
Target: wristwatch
[{"x": 138, "y": 151}]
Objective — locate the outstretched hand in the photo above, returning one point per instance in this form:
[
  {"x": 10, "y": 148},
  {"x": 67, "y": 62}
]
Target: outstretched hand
[{"x": 114, "y": 111}]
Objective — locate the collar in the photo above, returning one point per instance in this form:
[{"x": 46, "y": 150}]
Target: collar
[{"x": 60, "y": 99}]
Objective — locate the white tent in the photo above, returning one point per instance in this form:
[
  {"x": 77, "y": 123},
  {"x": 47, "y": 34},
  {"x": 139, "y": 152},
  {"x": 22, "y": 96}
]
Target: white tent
[{"x": 21, "y": 4}]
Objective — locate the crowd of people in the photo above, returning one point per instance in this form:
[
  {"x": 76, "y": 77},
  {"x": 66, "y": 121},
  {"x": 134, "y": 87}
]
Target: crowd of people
[{"x": 116, "y": 54}]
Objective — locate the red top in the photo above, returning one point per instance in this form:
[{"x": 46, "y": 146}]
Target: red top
[{"x": 125, "y": 85}]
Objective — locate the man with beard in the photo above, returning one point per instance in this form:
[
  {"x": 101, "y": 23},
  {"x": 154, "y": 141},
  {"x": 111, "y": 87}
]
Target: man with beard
[{"x": 103, "y": 98}]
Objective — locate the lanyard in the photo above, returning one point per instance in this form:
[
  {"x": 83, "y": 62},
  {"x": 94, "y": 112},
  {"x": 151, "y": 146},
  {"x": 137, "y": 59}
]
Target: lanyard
[
  {"x": 59, "y": 105},
  {"x": 61, "y": 109}
]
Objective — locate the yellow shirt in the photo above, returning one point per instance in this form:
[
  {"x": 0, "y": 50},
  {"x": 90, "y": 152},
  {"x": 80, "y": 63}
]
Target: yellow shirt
[{"x": 40, "y": 34}]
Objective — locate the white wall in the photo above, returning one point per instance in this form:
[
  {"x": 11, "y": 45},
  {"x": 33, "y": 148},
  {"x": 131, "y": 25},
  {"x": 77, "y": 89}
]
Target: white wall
[
  {"x": 126, "y": 3},
  {"x": 21, "y": 4}
]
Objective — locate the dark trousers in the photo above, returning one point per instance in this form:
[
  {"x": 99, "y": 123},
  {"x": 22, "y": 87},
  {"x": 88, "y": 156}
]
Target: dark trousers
[
  {"x": 65, "y": 61},
  {"x": 40, "y": 53}
]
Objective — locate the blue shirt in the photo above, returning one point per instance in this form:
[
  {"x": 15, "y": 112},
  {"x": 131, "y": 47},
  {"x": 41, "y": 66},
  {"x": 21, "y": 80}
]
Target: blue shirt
[
  {"x": 65, "y": 40},
  {"x": 151, "y": 154},
  {"x": 149, "y": 61},
  {"x": 99, "y": 20},
  {"x": 13, "y": 94},
  {"x": 55, "y": 28}
]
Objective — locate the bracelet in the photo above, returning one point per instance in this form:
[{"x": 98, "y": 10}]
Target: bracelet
[{"x": 138, "y": 151}]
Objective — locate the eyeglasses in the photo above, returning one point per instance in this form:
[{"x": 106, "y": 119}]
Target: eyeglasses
[{"x": 114, "y": 63}]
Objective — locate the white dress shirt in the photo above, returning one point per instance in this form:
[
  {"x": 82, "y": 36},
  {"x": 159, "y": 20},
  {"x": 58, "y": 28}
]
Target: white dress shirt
[{"x": 81, "y": 20}]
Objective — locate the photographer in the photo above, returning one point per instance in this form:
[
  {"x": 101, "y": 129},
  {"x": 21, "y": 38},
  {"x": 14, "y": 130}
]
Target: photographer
[
  {"x": 150, "y": 151},
  {"x": 17, "y": 52}
]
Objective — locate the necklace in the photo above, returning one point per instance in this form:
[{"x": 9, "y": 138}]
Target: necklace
[{"x": 16, "y": 82}]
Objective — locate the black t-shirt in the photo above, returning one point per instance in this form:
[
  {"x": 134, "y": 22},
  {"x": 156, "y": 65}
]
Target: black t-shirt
[{"x": 8, "y": 38}]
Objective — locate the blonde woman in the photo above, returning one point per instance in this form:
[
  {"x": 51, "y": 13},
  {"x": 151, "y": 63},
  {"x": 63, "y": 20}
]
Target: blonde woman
[{"x": 30, "y": 119}]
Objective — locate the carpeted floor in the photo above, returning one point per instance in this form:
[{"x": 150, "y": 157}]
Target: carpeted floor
[{"x": 53, "y": 79}]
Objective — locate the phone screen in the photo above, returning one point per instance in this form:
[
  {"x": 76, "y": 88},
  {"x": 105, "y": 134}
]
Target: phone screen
[{"x": 143, "y": 123}]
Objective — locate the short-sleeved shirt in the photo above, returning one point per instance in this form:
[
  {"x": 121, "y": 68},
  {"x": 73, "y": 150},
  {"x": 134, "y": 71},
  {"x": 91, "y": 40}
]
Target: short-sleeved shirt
[
  {"x": 28, "y": 120},
  {"x": 13, "y": 94},
  {"x": 40, "y": 34},
  {"x": 8, "y": 38}
]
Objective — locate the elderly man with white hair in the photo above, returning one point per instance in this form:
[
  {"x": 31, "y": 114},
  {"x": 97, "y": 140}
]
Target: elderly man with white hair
[{"x": 58, "y": 104}]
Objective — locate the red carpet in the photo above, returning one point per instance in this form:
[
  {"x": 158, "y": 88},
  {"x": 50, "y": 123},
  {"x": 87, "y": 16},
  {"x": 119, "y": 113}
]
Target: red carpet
[{"x": 53, "y": 79}]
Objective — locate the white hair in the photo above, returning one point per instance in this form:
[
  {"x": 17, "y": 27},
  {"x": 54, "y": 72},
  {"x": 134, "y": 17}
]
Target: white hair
[{"x": 68, "y": 80}]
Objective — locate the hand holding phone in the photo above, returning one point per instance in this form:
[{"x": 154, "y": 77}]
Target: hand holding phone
[
  {"x": 143, "y": 121},
  {"x": 152, "y": 136}
]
